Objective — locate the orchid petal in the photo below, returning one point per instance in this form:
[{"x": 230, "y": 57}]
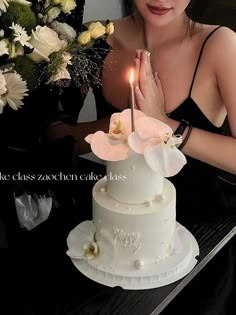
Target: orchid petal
[
  {"x": 108, "y": 149},
  {"x": 114, "y": 117},
  {"x": 126, "y": 117},
  {"x": 148, "y": 127},
  {"x": 79, "y": 237},
  {"x": 82, "y": 234},
  {"x": 136, "y": 144},
  {"x": 165, "y": 159},
  {"x": 89, "y": 138},
  {"x": 126, "y": 114}
]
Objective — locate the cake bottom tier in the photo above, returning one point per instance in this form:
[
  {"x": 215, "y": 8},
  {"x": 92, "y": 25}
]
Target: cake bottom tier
[
  {"x": 137, "y": 235},
  {"x": 103, "y": 269}
]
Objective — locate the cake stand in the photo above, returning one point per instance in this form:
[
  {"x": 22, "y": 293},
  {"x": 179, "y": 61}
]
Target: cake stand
[{"x": 174, "y": 267}]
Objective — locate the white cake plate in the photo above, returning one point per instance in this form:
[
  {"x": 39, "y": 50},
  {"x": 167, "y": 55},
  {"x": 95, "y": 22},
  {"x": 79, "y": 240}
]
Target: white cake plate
[{"x": 181, "y": 261}]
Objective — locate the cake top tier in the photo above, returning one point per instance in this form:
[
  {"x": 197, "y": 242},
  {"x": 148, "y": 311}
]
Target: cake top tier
[{"x": 151, "y": 137}]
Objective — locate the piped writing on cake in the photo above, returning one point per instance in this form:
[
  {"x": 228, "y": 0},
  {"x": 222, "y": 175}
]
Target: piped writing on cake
[{"x": 126, "y": 240}]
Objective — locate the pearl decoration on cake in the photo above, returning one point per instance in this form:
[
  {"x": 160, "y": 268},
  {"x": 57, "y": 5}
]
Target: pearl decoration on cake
[
  {"x": 160, "y": 197},
  {"x": 148, "y": 203},
  {"x": 139, "y": 264},
  {"x": 103, "y": 189}
]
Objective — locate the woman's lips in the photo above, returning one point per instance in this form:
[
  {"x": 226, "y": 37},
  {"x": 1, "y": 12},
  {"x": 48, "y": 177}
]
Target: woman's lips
[{"x": 158, "y": 10}]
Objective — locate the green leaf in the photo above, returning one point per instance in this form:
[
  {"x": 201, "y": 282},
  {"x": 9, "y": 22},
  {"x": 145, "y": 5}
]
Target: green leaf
[
  {"x": 27, "y": 69},
  {"x": 19, "y": 14}
]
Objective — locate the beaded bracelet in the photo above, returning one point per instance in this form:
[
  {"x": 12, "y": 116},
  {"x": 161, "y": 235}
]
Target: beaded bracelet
[{"x": 182, "y": 144}]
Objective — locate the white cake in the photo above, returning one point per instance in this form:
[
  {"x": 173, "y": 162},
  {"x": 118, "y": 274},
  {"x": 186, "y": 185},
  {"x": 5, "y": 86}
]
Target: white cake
[
  {"x": 134, "y": 210},
  {"x": 133, "y": 229}
]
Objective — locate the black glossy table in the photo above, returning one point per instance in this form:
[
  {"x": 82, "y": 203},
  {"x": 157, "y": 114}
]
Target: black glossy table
[{"x": 47, "y": 283}]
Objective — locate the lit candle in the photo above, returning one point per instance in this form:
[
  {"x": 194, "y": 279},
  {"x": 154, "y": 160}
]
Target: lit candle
[{"x": 131, "y": 83}]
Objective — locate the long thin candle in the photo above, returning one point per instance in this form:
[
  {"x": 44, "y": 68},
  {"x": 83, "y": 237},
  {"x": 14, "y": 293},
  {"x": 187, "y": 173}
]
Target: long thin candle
[{"x": 131, "y": 82}]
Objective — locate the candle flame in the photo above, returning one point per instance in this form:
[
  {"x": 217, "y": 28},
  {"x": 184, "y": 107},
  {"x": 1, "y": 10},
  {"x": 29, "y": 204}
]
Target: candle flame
[{"x": 131, "y": 76}]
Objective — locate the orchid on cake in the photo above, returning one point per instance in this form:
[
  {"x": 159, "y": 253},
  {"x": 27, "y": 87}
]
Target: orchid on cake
[
  {"x": 149, "y": 153},
  {"x": 134, "y": 205},
  {"x": 151, "y": 138}
]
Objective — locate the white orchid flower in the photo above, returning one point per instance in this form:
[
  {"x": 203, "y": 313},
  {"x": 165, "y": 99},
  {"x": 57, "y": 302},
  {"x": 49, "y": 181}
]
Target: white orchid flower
[
  {"x": 154, "y": 139},
  {"x": 113, "y": 146}
]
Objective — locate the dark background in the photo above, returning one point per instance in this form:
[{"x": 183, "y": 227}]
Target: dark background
[{"x": 221, "y": 12}]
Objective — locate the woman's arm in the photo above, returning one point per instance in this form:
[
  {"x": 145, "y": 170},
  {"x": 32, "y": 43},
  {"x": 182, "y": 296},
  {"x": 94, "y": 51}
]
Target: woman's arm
[
  {"x": 79, "y": 132},
  {"x": 216, "y": 150}
]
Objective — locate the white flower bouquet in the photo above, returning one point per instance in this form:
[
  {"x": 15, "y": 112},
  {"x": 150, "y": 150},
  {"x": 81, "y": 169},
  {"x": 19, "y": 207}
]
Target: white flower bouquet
[{"x": 38, "y": 47}]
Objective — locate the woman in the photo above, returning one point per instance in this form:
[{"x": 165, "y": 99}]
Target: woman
[
  {"x": 174, "y": 42},
  {"x": 184, "y": 71}
]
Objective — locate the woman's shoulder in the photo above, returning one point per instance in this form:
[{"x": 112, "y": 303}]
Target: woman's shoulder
[
  {"x": 220, "y": 36},
  {"x": 221, "y": 41},
  {"x": 220, "y": 52}
]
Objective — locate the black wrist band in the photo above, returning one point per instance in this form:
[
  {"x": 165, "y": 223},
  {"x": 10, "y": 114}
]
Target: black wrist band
[
  {"x": 186, "y": 138},
  {"x": 181, "y": 128}
]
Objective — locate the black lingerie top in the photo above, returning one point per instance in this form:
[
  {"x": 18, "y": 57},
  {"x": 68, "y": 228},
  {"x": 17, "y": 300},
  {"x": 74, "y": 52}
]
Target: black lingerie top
[{"x": 195, "y": 183}]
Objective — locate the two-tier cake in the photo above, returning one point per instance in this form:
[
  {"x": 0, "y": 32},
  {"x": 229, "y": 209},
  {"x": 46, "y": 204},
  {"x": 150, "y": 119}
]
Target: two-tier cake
[{"x": 134, "y": 239}]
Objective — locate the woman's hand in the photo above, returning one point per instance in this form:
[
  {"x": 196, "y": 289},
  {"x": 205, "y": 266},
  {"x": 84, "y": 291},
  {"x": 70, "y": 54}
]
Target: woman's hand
[{"x": 148, "y": 91}]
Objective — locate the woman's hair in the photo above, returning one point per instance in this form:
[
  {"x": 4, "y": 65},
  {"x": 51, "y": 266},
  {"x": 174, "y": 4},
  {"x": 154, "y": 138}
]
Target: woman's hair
[
  {"x": 127, "y": 7},
  {"x": 195, "y": 10}
]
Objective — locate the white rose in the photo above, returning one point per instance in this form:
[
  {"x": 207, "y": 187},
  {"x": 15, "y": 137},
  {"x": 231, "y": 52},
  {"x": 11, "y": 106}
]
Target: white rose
[
  {"x": 84, "y": 38},
  {"x": 52, "y": 14},
  {"x": 44, "y": 41},
  {"x": 110, "y": 28},
  {"x": 96, "y": 30},
  {"x": 67, "y": 5},
  {"x": 64, "y": 30},
  {"x": 62, "y": 72}
]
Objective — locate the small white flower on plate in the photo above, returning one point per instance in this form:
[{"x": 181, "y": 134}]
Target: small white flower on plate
[{"x": 91, "y": 250}]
